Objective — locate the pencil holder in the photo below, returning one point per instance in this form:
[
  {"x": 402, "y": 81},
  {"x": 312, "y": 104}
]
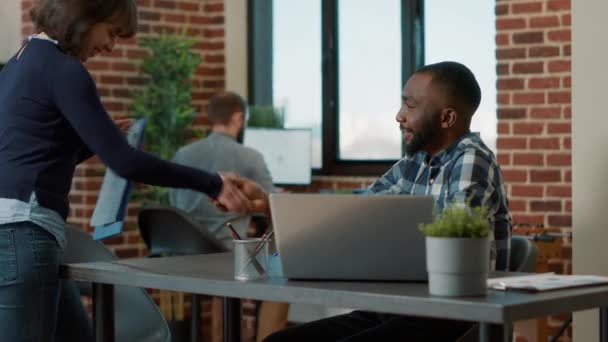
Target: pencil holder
[{"x": 250, "y": 259}]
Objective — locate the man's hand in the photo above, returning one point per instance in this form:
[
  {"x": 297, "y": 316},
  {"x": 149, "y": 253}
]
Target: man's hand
[
  {"x": 255, "y": 193},
  {"x": 231, "y": 197},
  {"x": 124, "y": 124}
]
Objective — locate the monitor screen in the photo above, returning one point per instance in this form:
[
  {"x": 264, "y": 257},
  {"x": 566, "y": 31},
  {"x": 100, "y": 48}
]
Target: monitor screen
[{"x": 287, "y": 152}]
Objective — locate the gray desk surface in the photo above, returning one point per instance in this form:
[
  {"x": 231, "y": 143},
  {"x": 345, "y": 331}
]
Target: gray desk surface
[{"x": 212, "y": 274}]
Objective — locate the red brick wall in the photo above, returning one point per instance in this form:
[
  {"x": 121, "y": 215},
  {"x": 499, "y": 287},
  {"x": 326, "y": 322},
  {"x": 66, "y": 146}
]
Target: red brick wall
[{"x": 533, "y": 39}]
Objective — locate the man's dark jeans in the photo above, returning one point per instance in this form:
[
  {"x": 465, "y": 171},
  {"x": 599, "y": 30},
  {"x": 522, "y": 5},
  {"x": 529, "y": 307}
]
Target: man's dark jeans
[{"x": 370, "y": 326}]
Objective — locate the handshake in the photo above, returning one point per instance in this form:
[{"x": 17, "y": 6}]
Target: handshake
[{"x": 242, "y": 195}]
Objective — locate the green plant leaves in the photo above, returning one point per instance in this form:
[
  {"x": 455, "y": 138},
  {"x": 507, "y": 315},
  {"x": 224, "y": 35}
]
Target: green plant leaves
[
  {"x": 266, "y": 116},
  {"x": 165, "y": 100},
  {"x": 459, "y": 221}
]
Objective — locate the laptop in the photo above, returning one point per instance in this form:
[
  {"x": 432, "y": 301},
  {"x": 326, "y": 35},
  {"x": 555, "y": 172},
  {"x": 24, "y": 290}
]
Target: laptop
[{"x": 351, "y": 237}]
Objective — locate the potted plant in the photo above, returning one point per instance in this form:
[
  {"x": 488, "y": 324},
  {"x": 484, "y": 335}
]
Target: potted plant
[
  {"x": 166, "y": 100},
  {"x": 266, "y": 117},
  {"x": 458, "y": 251}
]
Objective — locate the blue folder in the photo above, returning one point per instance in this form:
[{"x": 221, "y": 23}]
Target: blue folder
[{"x": 110, "y": 211}]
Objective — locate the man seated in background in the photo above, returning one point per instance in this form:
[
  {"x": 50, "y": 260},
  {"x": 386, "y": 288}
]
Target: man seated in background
[
  {"x": 443, "y": 159},
  {"x": 221, "y": 151}
]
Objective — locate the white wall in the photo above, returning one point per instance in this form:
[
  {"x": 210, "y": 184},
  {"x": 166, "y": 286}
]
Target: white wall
[
  {"x": 589, "y": 156},
  {"x": 10, "y": 28},
  {"x": 236, "y": 46}
]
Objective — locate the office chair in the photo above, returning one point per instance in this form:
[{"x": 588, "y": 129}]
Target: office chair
[
  {"x": 171, "y": 231},
  {"x": 137, "y": 318},
  {"x": 523, "y": 259},
  {"x": 523, "y": 255}
]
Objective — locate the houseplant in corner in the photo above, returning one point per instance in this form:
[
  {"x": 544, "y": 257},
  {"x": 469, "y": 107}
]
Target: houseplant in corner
[
  {"x": 166, "y": 100},
  {"x": 458, "y": 251}
]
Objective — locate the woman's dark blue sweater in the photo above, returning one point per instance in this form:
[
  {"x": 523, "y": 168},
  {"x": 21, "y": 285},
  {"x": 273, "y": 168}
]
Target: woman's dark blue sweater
[{"x": 51, "y": 118}]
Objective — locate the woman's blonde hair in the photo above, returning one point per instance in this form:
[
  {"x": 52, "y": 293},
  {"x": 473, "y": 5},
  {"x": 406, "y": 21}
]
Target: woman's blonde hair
[{"x": 67, "y": 21}]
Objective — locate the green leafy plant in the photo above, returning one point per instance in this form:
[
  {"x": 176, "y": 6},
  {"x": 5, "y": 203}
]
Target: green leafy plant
[
  {"x": 266, "y": 116},
  {"x": 165, "y": 100},
  {"x": 457, "y": 221}
]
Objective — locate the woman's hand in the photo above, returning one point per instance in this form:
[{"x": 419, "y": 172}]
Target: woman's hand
[
  {"x": 255, "y": 194},
  {"x": 231, "y": 197}
]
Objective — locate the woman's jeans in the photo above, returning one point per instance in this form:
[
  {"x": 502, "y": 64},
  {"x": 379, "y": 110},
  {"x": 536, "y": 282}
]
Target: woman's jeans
[{"x": 29, "y": 283}]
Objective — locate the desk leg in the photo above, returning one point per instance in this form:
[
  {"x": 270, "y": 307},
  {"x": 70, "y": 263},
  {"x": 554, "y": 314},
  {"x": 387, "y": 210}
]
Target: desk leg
[
  {"x": 194, "y": 318},
  {"x": 232, "y": 319},
  {"x": 484, "y": 332},
  {"x": 103, "y": 312},
  {"x": 494, "y": 332},
  {"x": 604, "y": 324}
]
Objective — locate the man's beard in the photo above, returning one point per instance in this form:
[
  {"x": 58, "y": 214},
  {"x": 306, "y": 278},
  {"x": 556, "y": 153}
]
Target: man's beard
[
  {"x": 240, "y": 137},
  {"x": 424, "y": 136}
]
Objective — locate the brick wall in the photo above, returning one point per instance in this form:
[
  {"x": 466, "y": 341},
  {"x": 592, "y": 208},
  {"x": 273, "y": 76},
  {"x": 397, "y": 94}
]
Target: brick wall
[{"x": 533, "y": 40}]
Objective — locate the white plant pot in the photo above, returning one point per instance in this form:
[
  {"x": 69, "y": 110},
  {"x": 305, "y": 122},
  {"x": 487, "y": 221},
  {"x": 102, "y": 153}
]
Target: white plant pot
[{"x": 457, "y": 267}]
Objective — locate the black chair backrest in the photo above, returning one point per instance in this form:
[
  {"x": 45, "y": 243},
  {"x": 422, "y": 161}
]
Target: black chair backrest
[
  {"x": 82, "y": 248},
  {"x": 523, "y": 255},
  {"x": 171, "y": 231},
  {"x": 137, "y": 318}
]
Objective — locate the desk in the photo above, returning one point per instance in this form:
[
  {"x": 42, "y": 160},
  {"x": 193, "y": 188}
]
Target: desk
[{"x": 212, "y": 274}]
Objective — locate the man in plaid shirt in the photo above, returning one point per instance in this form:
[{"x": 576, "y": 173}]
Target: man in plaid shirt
[
  {"x": 465, "y": 171},
  {"x": 443, "y": 159}
]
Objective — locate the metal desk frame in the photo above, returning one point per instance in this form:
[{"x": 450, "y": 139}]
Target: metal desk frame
[{"x": 212, "y": 274}]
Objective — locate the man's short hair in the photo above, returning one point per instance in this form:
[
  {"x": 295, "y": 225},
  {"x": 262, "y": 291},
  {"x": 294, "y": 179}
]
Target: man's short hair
[
  {"x": 223, "y": 105},
  {"x": 458, "y": 82}
]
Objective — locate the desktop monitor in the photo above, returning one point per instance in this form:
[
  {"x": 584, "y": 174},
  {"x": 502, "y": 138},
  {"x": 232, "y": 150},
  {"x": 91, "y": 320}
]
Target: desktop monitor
[{"x": 287, "y": 152}]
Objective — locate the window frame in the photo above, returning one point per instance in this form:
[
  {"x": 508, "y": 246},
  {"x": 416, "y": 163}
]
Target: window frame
[{"x": 260, "y": 59}]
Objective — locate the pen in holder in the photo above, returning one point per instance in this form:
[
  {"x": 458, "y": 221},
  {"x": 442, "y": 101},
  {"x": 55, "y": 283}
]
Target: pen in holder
[
  {"x": 258, "y": 248},
  {"x": 250, "y": 259},
  {"x": 236, "y": 237}
]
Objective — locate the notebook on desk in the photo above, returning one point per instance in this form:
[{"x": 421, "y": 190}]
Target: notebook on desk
[
  {"x": 544, "y": 282},
  {"x": 351, "y": 237}
]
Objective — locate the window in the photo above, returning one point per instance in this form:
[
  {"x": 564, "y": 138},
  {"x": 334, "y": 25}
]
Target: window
[
  {"x": 296, "y": 82},
  {"x": 447, "y": 44},
  {"x": 337, "y": 67},
  {"x": 369, "y": 77}
]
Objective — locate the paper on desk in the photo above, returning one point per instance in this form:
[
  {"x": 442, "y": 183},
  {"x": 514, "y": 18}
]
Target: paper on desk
[{"x": 544, "y": 282}]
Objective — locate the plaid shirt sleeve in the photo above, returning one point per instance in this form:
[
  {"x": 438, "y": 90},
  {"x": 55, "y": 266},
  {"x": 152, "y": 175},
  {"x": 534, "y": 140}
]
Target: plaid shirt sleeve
[
  {"x": 389, "y": 183},
  {"x": 476, "y": 176},
  {"x": 471, "y": 178}
]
